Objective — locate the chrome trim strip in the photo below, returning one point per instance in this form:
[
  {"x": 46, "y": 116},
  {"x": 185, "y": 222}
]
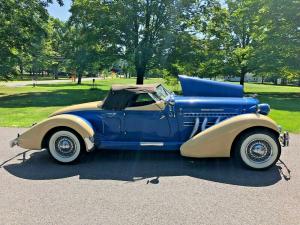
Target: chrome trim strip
[
  {"x": 151, "y": 144},
  {"x": 203, "y": 126},
  {"x": 212, "y": 110},
  {"x": 208, "y": 114},
  {"x": 191, "y": 124},
  {"x": 196, "y": 127}
]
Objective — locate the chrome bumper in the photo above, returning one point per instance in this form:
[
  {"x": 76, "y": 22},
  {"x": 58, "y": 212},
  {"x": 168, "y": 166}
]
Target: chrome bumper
[{"x": 284, "y": 138}]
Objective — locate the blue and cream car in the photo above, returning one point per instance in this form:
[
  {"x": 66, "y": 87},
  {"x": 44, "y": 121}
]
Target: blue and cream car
[{"x": 209, "y": 119}]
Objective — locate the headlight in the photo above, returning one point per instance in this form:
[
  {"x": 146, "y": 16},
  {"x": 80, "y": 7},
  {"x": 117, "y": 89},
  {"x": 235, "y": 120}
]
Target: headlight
[{"x": 263, "y": 109}]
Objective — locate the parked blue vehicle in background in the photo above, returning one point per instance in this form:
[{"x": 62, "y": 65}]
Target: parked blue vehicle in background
[{"x": 209, "y": 119}]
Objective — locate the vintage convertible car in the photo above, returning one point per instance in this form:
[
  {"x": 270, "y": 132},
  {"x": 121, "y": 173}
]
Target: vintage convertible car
[{"x": 210, "y": 119}]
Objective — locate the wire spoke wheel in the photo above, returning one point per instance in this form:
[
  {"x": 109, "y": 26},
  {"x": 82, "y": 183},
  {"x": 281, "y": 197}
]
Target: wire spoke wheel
[
  {"x": 258, "y": 149},
  {"x": 64, "y": 146}
]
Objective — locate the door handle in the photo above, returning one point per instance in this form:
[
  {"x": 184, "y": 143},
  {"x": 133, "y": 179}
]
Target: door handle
[
  {"x": 111, "y": 114},
  {"x": 162, "y": 117}
]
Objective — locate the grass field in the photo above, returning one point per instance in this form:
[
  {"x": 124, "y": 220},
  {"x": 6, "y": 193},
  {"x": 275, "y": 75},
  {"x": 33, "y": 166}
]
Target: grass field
[{"x": 22, "y": 106}]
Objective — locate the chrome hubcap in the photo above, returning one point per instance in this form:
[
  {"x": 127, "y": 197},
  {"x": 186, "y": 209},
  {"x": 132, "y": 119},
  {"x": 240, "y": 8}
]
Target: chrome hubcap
[
  {"x": 65, "y": 146},
  {"x": 259, "y": 151}
]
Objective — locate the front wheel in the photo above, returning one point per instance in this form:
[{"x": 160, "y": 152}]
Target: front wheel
[
  {"x": 258, "y": 149},
  {"x": 65, "y": 146}
]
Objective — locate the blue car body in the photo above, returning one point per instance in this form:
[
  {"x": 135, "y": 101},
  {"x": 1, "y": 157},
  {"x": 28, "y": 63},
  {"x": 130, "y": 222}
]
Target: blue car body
[{"x": 167, "y": 129}]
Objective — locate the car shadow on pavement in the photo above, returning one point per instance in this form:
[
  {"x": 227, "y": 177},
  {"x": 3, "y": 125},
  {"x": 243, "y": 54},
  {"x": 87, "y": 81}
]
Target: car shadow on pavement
[{"x": 134, "y": 166}]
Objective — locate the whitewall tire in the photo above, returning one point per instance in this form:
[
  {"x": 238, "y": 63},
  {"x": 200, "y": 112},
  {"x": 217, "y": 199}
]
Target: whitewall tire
[
  {"x": 258, "y": 149},
  {"x": 65, "y": 146}
]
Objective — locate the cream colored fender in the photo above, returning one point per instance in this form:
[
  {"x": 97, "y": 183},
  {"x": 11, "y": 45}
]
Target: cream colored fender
[
  {"x": 217, "y": 140},
  {"x": 32, "y": 138}
]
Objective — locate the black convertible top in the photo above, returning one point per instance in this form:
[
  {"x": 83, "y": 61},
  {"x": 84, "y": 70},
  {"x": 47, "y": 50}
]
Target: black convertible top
[{"x": 120, "y": 96}]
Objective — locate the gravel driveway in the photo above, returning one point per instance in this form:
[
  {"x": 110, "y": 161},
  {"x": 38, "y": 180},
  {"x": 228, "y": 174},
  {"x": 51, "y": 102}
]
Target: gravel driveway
[{"x": 145, "y": 188}]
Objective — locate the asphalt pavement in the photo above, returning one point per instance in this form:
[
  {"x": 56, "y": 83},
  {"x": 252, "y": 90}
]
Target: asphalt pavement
[{"x": 119, "y": 187}]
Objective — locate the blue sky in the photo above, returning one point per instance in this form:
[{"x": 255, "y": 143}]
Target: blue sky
[{"x": 60, "y": 12}]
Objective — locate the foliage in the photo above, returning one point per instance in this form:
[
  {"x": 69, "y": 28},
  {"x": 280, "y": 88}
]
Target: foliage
[
  {"x": 24, "y": 36},
  {"x": 205, "y": 38},
  {"x": 141, "y": 32},
  {"x": 21, "y": 24},
  {"x": 280, "y": 45}
]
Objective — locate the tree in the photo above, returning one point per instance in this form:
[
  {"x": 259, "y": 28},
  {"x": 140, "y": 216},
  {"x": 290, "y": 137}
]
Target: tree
[
  {"x": 244, "y": 33},
  {"x": 143, "y": 27},
  {"x": 53, "y": 46},
  {"x": 139, "y": 31},
  {"x": 90, "y": 45},
  {"x": 279, "y": 49},
  {"x": 201, "y": 49},
  {"x": 214, "y": 36},
  {"x": 22, "y": 28}
]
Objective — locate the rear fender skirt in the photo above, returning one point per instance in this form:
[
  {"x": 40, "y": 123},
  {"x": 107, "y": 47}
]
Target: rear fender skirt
[
  {"x": 33, "y": 137},
  {"x": 217, "y": 140}
]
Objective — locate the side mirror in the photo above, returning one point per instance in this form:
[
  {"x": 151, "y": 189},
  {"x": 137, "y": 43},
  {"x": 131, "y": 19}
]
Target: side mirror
[{"x": 171, "y": 102}]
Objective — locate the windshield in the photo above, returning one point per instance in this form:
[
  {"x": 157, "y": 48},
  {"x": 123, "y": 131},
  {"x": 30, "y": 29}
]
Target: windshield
[{"x": 162, "y": 92}]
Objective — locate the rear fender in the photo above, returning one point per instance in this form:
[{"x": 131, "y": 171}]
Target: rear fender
[
  {"x": 33, "y": 137},
  {"x": 217, "y": 140}
]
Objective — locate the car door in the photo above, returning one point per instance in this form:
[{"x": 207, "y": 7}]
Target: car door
[
  {"x": 112, "y": 125},
  {"x": 146, "y": 121}
]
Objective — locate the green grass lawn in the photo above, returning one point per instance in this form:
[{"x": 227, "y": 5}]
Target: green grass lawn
[
  {"x": 284, "y": 102},
  {"x": 22, "y": 106}
]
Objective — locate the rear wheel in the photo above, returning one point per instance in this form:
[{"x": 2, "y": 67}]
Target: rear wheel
[
  {"x": 65, "y": 146},
  {"x": 258, "y": 149}
]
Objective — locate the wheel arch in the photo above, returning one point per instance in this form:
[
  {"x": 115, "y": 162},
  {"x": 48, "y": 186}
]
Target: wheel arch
[
  {"x": 34, "y": 138},
  {"x": 53, "y": 130},
  {"x": 250, "y": 129},
  {"x": 217, "y": 140}
]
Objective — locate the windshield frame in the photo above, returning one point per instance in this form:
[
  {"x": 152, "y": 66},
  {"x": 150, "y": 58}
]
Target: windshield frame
[{"x": 163, "y": 93}]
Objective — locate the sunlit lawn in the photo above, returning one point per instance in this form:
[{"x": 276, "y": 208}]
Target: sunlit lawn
[
  {"x": 22, "y": 106},
  {"x": 284, "y": 101}
]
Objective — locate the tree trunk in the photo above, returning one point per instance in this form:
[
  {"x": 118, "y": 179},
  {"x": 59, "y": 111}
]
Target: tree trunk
[
  {"x": 79, "y": 79},
  {"x": 243, "y": 73},
  {"x": 56, "y": 74},
  {"x": 35, "y": 75},
  {"x": 284, "y": 81},
  {"x": 21, "y": 70},
  {"x": 140, "y": 71}
]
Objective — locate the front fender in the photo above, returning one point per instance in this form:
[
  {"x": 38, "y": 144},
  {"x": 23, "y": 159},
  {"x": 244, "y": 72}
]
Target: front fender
[
  {"x": 33, "y": 137},
  {"x": 217, "y": 140}
]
